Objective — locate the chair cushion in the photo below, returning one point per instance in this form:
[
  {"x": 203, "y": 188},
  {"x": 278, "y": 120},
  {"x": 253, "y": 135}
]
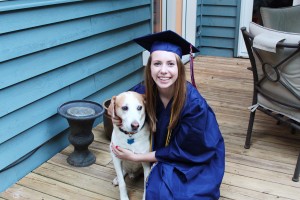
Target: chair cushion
[
  {"x": 284, "y": 110},
  {"x": 282, "y": 19},
  {"x": 287, "y": 89}
]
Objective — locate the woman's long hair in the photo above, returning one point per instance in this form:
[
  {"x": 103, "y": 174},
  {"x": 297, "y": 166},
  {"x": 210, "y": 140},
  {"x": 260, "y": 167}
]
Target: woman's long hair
[{"x": 152, "y": 92}]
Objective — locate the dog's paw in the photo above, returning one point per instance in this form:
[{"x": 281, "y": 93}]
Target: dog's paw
[{"x": 115, "y": 181}]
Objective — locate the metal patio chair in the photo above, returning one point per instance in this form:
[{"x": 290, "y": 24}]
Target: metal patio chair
[{"x": 276, "y": 77}]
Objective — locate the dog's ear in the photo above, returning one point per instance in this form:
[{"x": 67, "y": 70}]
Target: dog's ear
[
  {"x": 144, "y": 99},
  {"x": 111, "y": 107}
]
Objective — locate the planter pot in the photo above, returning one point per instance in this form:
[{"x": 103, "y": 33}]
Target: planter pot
[
  {"x": 107, "y": 123},
  {"x": 81, "y": 115}
]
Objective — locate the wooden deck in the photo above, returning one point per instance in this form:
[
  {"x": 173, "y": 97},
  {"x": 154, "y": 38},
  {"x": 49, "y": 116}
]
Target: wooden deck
[{"x": 262, "y": 172}]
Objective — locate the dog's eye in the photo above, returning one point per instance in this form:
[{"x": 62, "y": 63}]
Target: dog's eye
[
  {"x": 139, "y": 108},
  {"x": 125, "y": 108}
]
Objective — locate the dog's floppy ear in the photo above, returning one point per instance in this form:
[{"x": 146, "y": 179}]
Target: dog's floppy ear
[
  {"x": 111, "y": 107},
  {"x": 144, "y": 99}
]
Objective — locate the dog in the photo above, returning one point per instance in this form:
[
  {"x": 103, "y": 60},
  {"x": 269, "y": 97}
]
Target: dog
[{"x": 133, "y": 134}]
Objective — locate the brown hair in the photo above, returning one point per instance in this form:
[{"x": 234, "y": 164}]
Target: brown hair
[{"x": 152, "y": 92}]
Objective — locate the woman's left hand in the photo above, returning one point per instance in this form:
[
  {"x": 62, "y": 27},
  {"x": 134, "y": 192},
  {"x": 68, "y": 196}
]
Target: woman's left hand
[{"x": 122, "y": 153}]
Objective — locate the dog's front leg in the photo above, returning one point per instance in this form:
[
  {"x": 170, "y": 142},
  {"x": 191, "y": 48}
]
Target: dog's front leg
[
  {"x": 120, "y": 176},
  {"x": 146, "y": 168}
]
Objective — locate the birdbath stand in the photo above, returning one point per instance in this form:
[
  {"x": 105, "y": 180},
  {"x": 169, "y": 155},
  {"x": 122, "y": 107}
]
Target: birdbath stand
[{"x": 81, "y": 115}]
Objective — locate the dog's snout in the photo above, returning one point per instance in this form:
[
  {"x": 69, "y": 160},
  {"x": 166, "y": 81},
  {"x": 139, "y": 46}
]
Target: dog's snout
[{"x": 135, "y": 126}]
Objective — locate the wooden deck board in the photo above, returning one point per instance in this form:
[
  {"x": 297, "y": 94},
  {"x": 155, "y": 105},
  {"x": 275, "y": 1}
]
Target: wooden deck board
[
  {"x": 21, "y": 192},
  {"x": 262, "y": 172}
]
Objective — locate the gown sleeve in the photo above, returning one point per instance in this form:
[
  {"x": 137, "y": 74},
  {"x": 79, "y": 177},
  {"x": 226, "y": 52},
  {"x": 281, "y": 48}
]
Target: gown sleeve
[{"x": 194, "y": 141}]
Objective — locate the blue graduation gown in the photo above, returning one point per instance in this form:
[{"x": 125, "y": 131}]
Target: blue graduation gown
[{"x": 192, "y": 166}]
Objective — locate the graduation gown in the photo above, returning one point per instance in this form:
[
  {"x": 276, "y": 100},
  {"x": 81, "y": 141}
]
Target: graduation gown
[{"x": 192, "y": 165}]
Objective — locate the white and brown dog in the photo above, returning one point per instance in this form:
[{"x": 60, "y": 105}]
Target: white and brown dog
[{"x": 133, "y": 134}]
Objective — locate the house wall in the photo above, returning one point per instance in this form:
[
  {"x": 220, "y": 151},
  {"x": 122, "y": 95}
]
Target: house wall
[
  {"x": 52, "y": 52},
  {"x": 217, "y": 27}
]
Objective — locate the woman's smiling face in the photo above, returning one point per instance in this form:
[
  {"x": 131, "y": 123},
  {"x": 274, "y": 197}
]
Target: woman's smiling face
[{"x": 164, "y": 69}]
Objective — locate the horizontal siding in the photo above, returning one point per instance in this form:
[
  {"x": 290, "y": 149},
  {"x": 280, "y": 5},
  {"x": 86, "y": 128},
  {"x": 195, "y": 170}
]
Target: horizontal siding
[
  {"x": 218, "y": 21},
  {"x": 59, "y": 13},
  {"x": 220, "y": 2},
  {"x": 217, "y": 42},
  {"x": 217, "y": 27},
  {"x": 211, "y": 31},
  {"x": 214, "y": 10},
  {"x": 211, "y": 51},
  {"x": 19, "y": 4},
  {"x": 52, "y": 58},
  {"x": 21, "y": 43},
  {"x": 82, "y": 51},
  {"x": 61, "y": 77}
]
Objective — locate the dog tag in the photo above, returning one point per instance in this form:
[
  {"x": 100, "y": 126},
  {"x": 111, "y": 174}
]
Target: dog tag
[{"x": 130, "y": 141}]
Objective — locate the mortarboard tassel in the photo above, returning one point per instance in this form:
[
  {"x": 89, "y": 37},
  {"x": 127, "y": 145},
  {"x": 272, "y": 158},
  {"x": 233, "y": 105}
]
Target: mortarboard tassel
[{"x": 192, "y": 66}]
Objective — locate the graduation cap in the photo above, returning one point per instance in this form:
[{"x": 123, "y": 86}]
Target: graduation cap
[{"x": 171, "y": 42}]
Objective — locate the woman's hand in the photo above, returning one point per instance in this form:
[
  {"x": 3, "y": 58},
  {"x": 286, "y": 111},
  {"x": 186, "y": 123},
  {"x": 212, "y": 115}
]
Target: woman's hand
[
  {"x": 111, "y": 111},
  {"x": 126, "y": 154},
  {"x": 122, "y": 153}
]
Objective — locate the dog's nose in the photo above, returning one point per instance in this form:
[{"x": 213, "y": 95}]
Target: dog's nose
[{"x": 135, "y": 126}]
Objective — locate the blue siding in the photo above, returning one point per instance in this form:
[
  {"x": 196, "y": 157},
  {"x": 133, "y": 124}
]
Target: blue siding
[
  {"x": 217, "y": 27},
  {"x": 56, "y": 51}
]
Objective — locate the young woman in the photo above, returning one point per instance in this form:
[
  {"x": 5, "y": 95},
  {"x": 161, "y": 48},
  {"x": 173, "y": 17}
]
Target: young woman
[{"x": 188, "y": 149}]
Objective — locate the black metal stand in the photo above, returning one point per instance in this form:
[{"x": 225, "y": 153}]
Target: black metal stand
[{"x": 81, "y": 115}]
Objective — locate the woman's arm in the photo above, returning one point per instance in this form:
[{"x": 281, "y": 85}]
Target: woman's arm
[{"x": 126, "y": 154}]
